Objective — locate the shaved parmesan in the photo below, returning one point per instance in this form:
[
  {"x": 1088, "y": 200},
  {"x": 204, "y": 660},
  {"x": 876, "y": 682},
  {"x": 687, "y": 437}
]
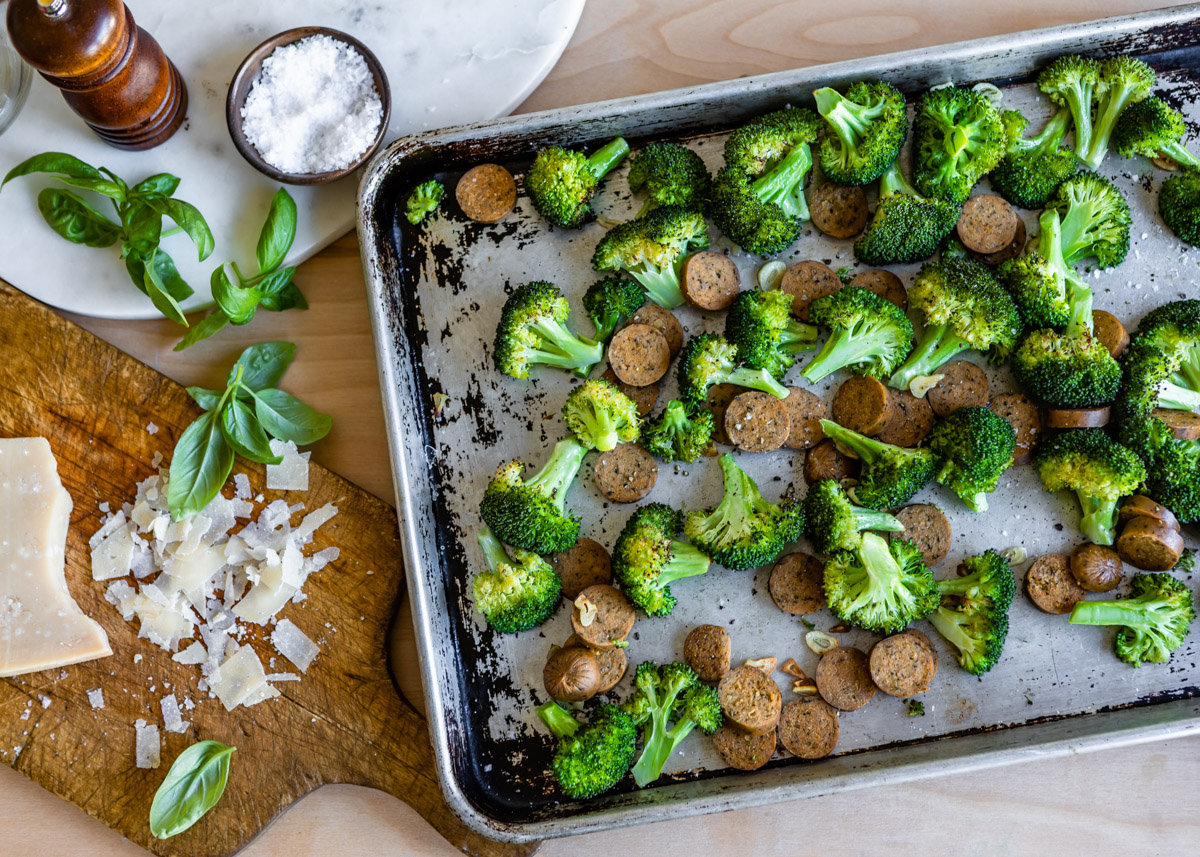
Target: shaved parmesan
[
  {"x": 147, "y": 746},
  {"x": 294, "y": 644},
  {"x": 291, "y": 474},
  {"x": 193, "y": 654},
  {"x": 239, "y": 677},
  {"x": 96, "y": 698},
  {"x": 172, "y": 720}
]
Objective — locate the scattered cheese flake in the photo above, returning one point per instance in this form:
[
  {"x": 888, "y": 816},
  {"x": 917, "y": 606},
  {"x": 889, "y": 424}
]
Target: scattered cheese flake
[
  {"x": 294, "y": 644},
  {"x": 193, "y": 654},
  {"x": 147, "y": 746},
  {"x": 113, "y": 556},
  {"x": 172, "y": 720},
  {"x": 96, "y": 698},
  {"x": 282, "y": 677},
  {"x": 291, "y": 474},
  {"x": 151, "y": 429},
  {"x": 239, "y": 677},
  {"x": 44, "y": 700}
]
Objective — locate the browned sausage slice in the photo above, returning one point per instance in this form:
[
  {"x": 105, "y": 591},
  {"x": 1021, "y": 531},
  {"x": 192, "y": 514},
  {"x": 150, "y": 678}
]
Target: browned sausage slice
[
  {"x": 639, "y": 354},
  {"x": 486, "y": 193},
  {"x": 964, "y": 385},
  {"x": 903, "y": 665},
  {"x": 1139, "y": 505},
  {"x": 625, "y": 474},
  {"x": 797, "y": 584},
  {"x": 662, "y": 319},
  {"x": 883, "y": 283},
  {"x": 987, "y": 224},
  {"x": 1051, "y": 586},
  {"x": 1096, "y": 568},
  {"x": 757, "y": 422},
  {"x": 805, "y": 411},
  {"x": 1025, "y": 418},
  {"x": 838, "y": 211},
  {"x": 644, "y": 397},
  {"x": 1184, "y": 425},
  {"x": 583, "y": 565},
  {"x": 612, "y": 663},
  {"x": 719, "y": 397},
  {"x": 808, "y": 728},
  {"x": 707, "y": 650},
  {"x": 825, "y": 462},
  {"x": 1063, "y": 418},
  {"x": 608, "y": 613},
  {"x": 863, "y": 404},
  {"x": 807, "y": 281},
  {"x": 1109, "y": 330},
  {"x": 844, "y": 678},
  {"x": 912, "y": 420},
  {"x": 1012, "y": 251},
  {"x": 571, "y": 674},
  {"x": 710, "y": 280},
  {"x": 1150, "y": 545},
  {"x": 741, "y": 751},
  {"x": 927, "y": 528},
  {"x": 750, "y": 700}
]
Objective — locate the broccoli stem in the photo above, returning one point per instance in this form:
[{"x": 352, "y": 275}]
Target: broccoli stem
[
  {"x": 607, "y": 157},
  {"x": 1130, "y": 612},
  {"x": 1177, "y": 398},
  {"x": 560, "y": 722},
  {"x": 661, "y": 284},
  {"x": 844, "y": 346},
  {"x": 1079, "y": 299},
  {"x": 797, "y": 336},
  {"x": 1111, "y": 107},
  {"x": 1050, "y": 138},
  {"x": 686, "y": 561},
  {"x": 757, "y": 379},
  {"x": 1099, "y": 518},
  {"x": 869, "y": 519},
  {"x": 1177, "y": 152},
  {"x": 493, "y": 550},
  {"x": 950, "y": 624},
  {"x": 562, "y": 348},
  {"x": 868, "y": 449},
  {"x": 936, "y": 347},
  {"x": 893, "y": 182},
  {"x": 556, "y": 477},
  {"x": 656, "y": 746},
  {"x": 1189, "y": 370},
  {"x": 601, "y": 427},
  {"x": 783, "y": 185},
  {"x": 849, "y": 120},
  {"x": 884, "y": 573},
  {"x": 1079, "y": 102}
]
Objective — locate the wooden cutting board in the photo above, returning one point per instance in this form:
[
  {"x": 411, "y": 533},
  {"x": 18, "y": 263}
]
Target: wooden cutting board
[{"x": 344, "y": 722}]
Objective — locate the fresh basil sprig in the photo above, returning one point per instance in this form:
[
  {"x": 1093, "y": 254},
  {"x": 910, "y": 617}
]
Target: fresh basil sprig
[
  {"x": 238, "y": 297},
  {"x": 139, "y": 225},
  {"x": 240, "y": 419},
  {"x": 193, "y": 786}
]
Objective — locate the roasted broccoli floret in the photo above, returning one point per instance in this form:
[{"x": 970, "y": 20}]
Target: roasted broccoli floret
[
  {"x": 1095, "y": 220},
  {"x": 708, "y": 360},
  {"x": 1155, "y": 129},
  {"x": 976, "y": 446},
  {"x": 890, "y": 475},
  {"x": 760, "y": 326},
  {"x": 906, "y": 226},
  {"x": 1038, "y": 282},
  {"x": 1172, "y": 465},
  {"x": 424, "y": 198},
  {"x": 561, "y": 183},
  {"x": 609, "y": 302},
  {"x": 973, "y": 613},
  {"x": 651, "y": 250},
  {"x": 1098, "y": 469},
  {"x": 601, "y": 416},
  {"x": 1123, "y": 81},
  {"x": 533, "y": 330},
  {"x": 1073, "y": 82},
  {"x": 671, "y": 174},
  {"x": 1033, "y": 167},
  {"x": 647, "y": 558},
  {"x": 744, "y": 531},
  {"x": 1067, "y": 371},
  {"x": 868, "y": 335},
  {"x": 957, "y": 140},
  {"x": 866, "y": 128},
  {"x": 531, "y": 514},
  {"x": 590, "y": 759},
  {"x": 833, "y": 523},
  {"x": 517, "y": 592},
  {"x": 1154, "y": 619},
  {"x": 669, "y": 702},
  {"x": 679, "y": 433},
  {"x": 1179, "y": 204},
  {"x": 964, "y": 308},
  {"x": 1161, "y": 367},
  {"x": 880, "y": 586}
]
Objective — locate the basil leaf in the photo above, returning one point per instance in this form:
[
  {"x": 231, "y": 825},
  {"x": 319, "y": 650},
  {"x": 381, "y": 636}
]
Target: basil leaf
[
  {"x": 244, "y": 434},
  {"x": 160, "y": 185},
  {"x": 75, "y": 220},
  {"x": 236, "y": 302},
  {"x": 263, "y": 365},
  {"x": 277, "y": 233},
  {"x": 200, "y": 465},
  {"x": 192, "y": 787},
  {"x": 289, "y": 298},
  {"x": 188, "y": 218},
  {"x": 274, "y": 282},
  {"x": 59, "y": 163},
  {"x": 161, "y": 282},
  {"x": 207, "y": 399},
  {"x": 143, "y": 228},
  {"x": 208, "y": 326},
  {"x": 287, "y": 418}
]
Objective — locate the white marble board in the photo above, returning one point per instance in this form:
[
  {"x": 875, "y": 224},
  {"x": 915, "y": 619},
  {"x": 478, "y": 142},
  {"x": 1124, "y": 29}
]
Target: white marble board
[{"x": 447, "y": 62}]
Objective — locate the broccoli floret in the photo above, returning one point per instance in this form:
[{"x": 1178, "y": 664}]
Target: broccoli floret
[
  {"x": 1033, "y": 167},
  {"x": 890, "y": 475},
  {"x": 881, "y": 586},
  {"x": 517, "y": 592},
  {"x": 708, "y": 360},
  {"x": 609, "y": 302},
  {"x": 601, "y": 416},
  {"x": 1067, "y": 371},
  {"x": 590, "y": 759},
  {"x": 1123, "y": 81},
  {"x": 531, "y": 514},
  {"x": 867, "y": 127},
  {"x": 647, "y": 558},
  {"x": 833, "y": 523},
  {"x": 1038, "y": 281},
  {"x": 1155, "y": 129},
  {"x": 1099, "y": 470},
  {"x": 424, "y": 198},
  {"x": 976, "y": 446},
  {"x": 1172, "y": 465},
  {"x": 906, "y": 226},
  {"x": 1161, "y": 367},
  {"x": 964, "y": 308},
  {"x": 761, "y": 328},
  {"x": 973, "y": 611},
  {"x": 744, "y": 531},
  {"x": 670, "y": 701},
  {"x": 868, "y": 335},
  {"x": 1179, "y": 204},
  {"x": 533, "y": 330},
  {"x": 679, "y": 433},
  {"x": 1154, "y": 620},
  {"x": 957, "y": 140},
  {"x": 651, "y": 250},
  {"x": 561, "y": 183},
  {"x": 671, "y": 174},
  {"x": 1073, "y": 82},
  {"x": 1095, "y": 220}
]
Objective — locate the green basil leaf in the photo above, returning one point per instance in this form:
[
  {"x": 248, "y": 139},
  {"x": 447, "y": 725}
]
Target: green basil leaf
[
  {"x": 58, "y": 163},
  {"x": 207, "y": 399},
  {"x": 287, "y": 418},
  {"x": 192, "y": 787},
  {"x": 159, "y": 185},
  {"x": 208, "y": 326},
  {"x": 240, "y": 427},
  {"x": 236, "y": 302},
  {"x": 200, "y": 465},
  {"x": 274, "y": 282},
  {"x": 188, "y": 218},
  {"x": 263, "y": 364},
  {"x": 278, "y": 232},
  {"x": 75, "y": 220},
  {"x": 161, "y": 282},
  {"x": 143, "y": 228},
  {"x": 289, "y": 298}
]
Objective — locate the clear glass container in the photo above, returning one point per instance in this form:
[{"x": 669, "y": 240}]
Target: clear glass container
[{"x": 15, "y": 76}]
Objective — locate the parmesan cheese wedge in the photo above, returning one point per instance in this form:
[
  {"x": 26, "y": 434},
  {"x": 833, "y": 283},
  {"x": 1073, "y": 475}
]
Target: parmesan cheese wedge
[{"x": 41, "y": 626}]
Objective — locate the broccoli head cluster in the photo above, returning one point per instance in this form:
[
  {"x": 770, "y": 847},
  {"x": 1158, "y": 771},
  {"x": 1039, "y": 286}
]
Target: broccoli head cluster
[
  {"x": 958, "y": 138},
  {"x": 647, "y": 558},
  {"x": 972, "y": 613},
  {"x": 1153, "y": 620},
  {"x": 760, "y": 325},
  {"x": 976, "y": 446}
]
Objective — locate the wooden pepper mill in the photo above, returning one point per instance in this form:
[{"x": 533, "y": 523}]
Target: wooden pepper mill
[{"x": 111, "y": 71}]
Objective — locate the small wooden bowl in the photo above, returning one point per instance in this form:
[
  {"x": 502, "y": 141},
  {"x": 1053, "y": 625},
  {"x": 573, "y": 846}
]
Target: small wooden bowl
[{"x": 245, "y": 76}]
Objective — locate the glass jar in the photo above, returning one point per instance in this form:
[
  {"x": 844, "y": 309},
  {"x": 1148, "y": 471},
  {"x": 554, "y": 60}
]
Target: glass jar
[{"x": 14, "y": 79}]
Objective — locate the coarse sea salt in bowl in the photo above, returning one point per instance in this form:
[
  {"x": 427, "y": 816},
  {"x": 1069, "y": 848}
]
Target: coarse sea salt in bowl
[{"x": 308, "y": 106}]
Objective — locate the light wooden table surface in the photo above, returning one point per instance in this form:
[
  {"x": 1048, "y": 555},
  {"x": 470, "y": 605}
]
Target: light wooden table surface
[{"x": 1141, "y": 801}]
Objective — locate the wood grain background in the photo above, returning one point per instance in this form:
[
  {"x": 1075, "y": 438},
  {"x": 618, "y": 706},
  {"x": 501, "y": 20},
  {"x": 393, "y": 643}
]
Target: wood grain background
[{"x": 1141, "y": 801}]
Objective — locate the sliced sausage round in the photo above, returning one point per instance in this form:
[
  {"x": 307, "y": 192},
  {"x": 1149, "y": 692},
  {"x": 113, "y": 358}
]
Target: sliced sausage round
[
  {"x": 1051, "y": 586},
  {"x": 911, "y": 421},
  {"x": 987, "y": 224},
  {"x": 582, "y": 566},
  {"x": 613, "y": 663},
  {"x": 625, "y": 474},
  {"x": 1109, "y": 330},
  {"x": 486, "y": 193},
  {"x": 964, "y": 385},
  {"x": 719, "y": 397},
  {"x": 807, "y": 281},
  {"x": 571, "y": 674},
  {"x": 1012, "y": 251},
  {"x": 808, "y": 727},
  {"x": 1141, "y": 506},
  {"x": 837, "y": 210},
  {"x": 707, "y": 650},
  {"x": 710, "y": 280},
  {"x": 805, "y": 411},
  {"x": 1150, "y": 545},
  {"x": 1065, "y": 418},
  {"x": 643, "y": 397},
  {"x": 927, "y": 528},
  {"x": 904, "y": 664},
  {"x": 1026, "y": 419},
  {"x": 639, "y": 354},
  {"x": 750, "y": 699},
  {"x": 1184, "y": 425},
  {"x": 844, "y": 678},
  {"x": 610, "y": 621},
  {"x": 757, "y": 422},
  {"x": 1096, "y": 568},
  {"x": 883, "y": 283},
  {"x": 824, "y": 461},
  {"x": 863, "y": 404},
  {"x": 797, "y": 584},
  {"x": 664, "y": 321},
  {"x": 741, "y": 751}
]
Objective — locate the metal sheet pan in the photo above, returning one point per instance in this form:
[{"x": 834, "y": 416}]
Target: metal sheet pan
[{"x": 434, "y": 297}]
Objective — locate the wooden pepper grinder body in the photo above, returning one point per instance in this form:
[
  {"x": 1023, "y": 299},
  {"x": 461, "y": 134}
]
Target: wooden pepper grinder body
[{"x": 111, "y": 71}]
